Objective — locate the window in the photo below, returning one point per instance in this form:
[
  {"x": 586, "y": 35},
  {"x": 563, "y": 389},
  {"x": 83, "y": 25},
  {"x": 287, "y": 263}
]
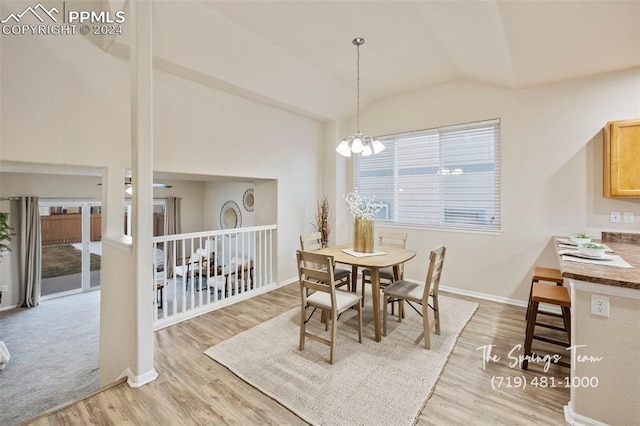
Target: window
[{"x": 447, "y": 177}]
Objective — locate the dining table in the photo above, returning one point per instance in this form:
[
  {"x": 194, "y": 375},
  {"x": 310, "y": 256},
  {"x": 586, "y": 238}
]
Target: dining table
[{"x": 383, "y": 257}]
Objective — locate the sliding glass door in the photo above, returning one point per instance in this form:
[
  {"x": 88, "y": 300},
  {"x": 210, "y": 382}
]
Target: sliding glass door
[{"x": 71, "y": 247}]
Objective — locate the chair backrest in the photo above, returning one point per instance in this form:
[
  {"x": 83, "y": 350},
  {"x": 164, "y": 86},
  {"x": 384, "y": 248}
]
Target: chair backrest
[
  {"x": 396, "y": 239},
  {"x": 311, "y": 241},
  {"x": 315, "y": 272},
  {"x": 432, "y": 283}
]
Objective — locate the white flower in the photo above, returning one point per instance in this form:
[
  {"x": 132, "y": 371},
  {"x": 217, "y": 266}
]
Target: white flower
[{"x": 362, "y": 207}]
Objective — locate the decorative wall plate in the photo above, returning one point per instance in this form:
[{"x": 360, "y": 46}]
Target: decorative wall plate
[
  {"x": 230, "y": 215},
  {"x": 247, "y": 200}
]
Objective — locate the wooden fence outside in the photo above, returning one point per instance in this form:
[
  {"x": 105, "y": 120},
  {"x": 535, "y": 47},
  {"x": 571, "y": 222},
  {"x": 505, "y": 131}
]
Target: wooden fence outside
[{"x": 67, "y": 228}]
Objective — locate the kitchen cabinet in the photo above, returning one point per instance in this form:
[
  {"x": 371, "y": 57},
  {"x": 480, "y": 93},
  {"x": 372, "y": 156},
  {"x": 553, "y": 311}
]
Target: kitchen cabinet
[{"x": 622, "y": 159}]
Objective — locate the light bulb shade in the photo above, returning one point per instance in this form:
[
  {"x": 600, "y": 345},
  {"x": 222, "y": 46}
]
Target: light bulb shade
[
  {"x": 344, "y": 149},
  {"x": 357, "y": 146},
  {"x": 367, "y": 150},
  {"x": 377, "y": 146}
]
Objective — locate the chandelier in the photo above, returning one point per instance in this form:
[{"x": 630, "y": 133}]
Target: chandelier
[{"x": 359, "y": 144}]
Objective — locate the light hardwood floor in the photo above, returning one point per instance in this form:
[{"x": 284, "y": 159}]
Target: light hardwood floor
[{"x": 192, "y": 389}]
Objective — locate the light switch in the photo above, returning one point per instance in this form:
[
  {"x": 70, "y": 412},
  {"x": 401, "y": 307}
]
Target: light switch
[{"x": 627, "y": 217}]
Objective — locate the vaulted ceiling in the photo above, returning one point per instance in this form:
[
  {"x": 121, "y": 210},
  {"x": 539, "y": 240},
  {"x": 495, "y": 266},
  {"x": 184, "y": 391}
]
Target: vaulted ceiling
[{"x": 416, "y": 44}]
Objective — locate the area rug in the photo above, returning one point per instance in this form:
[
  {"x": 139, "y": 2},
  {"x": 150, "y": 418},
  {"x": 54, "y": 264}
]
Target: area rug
[{"x": 385, "y": 383}]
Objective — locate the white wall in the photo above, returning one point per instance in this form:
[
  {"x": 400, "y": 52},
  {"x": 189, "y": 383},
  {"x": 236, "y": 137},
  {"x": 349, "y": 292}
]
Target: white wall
[
  {"x": 218, "y": 193},
  {"x": 66, "y": 102},
  {"x": 209, "y": 132},
  {"x": 192, "y": 204},
  {"x": 551, "y": 140}
]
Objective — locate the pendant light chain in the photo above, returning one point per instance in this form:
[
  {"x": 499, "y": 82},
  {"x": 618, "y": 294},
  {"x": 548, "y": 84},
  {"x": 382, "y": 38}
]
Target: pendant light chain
[{"x": 359, "y": 143}]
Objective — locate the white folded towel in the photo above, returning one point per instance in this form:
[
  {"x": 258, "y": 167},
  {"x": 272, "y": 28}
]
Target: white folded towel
[{"x": 4, "y": 355}]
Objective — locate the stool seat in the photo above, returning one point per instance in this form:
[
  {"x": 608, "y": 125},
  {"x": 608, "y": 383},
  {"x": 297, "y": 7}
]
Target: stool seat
[
  {"x": 553, "y": 295},
  {"x": 544, "y": 274},
  {"x": 547, "y": 274}
]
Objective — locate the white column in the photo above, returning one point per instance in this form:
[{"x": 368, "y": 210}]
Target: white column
[
  {"x": 142, "y": 176},
  {"x": 86, "y": 244}
]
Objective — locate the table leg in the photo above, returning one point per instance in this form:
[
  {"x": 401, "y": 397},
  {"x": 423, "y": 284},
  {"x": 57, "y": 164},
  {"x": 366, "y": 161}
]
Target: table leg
[
  {"x": 354, "y": 279},
  {"x": 375, "y": 288}
]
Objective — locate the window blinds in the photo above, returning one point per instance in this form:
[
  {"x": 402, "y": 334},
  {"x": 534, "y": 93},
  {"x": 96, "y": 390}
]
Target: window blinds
[{"x": 447, "y": 177}]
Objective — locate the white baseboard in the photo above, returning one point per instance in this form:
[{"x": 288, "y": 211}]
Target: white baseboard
[
  {"x": 476, "y": 294},
  {"x": 288, "y": 281},
  {"x": 6, "y": 308},
  {"x": 484, "y": 296},
  {"x": 140, "y": 380},
  {"x": 576, "y": 419}
]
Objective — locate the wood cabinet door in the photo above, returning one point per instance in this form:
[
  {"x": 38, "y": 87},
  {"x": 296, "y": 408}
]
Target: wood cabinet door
[{"x": 622, "y": 159}]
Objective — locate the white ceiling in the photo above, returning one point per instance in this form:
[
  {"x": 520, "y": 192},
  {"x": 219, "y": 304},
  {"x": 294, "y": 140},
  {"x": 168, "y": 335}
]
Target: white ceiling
[
  {"x": 417, "y": 44},
  {"x": 297, "y": 54}
]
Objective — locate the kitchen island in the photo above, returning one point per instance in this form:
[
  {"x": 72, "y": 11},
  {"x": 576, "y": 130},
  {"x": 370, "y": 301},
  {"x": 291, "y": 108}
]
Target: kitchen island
[{"x": 605, "y": 371}]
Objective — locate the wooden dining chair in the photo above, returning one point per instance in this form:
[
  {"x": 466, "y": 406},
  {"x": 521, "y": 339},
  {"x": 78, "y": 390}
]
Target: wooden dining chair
[
  {"x": 396, "y": 239},
  {"x": 318, "y": 291},
  {"x": 401, "y": 291},
  {"x": 313, "y": 242}
]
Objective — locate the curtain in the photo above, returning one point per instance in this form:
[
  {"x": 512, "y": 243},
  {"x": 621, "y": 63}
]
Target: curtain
[
  {"x": 173, "y": 227},
  {"x": 30, "y": 253}
]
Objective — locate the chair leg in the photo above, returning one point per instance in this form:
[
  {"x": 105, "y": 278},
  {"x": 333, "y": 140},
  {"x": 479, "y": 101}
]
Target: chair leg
[
  {"x": 436, "y": 314},
  {"x": 393, "y": 309},
  {"x": 427, "y": 328},
  {"x": 566, "y": 317},
  {"x": 526, "y": 316},
  {"x": 531, "y": 325},
  {"x": 334, "y": 332},
  {"x": 364, "y": 284},
  {"x": 302, "y": 328},
  {"x": 384, "y": 315},
  {"x": 359, "y": 323}
]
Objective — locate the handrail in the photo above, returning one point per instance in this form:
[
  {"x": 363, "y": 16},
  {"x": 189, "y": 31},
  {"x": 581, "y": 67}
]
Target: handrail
[{"x": 175, "y": 237}]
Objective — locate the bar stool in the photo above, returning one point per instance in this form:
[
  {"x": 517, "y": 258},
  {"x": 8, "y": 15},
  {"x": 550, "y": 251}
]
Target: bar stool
[
  {"x": 544, "y": 274},
  {"x": 553, "y": 295}
]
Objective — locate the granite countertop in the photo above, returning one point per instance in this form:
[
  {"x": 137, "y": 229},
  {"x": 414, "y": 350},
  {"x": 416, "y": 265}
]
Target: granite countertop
[{"x": 607, "y": 275}]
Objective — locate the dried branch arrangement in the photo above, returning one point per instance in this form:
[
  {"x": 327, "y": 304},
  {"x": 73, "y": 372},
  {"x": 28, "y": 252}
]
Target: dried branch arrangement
[{"x": 323, "y": 220}]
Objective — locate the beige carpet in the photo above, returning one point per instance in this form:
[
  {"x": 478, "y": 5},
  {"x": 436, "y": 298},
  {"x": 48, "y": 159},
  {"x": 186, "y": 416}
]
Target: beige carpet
[{"x": 384, "y": 383}]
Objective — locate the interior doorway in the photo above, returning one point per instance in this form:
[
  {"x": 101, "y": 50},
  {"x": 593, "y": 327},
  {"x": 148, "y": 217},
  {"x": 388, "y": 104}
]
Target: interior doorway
[{"x": 71, "y": 247}]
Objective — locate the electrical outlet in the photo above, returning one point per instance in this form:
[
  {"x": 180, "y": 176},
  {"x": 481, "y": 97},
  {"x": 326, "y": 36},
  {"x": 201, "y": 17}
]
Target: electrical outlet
[
  {"x": 627, "y": 217},
  {"x": 600, "y": 305},
  {"x": 615, "y": 217},
  {"x": 5, "y": 288}
]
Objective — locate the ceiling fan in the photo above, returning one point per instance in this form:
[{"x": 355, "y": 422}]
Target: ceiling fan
[
  {"x": 129, "y": 188},
  {"x": 127, "y": 182}
]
